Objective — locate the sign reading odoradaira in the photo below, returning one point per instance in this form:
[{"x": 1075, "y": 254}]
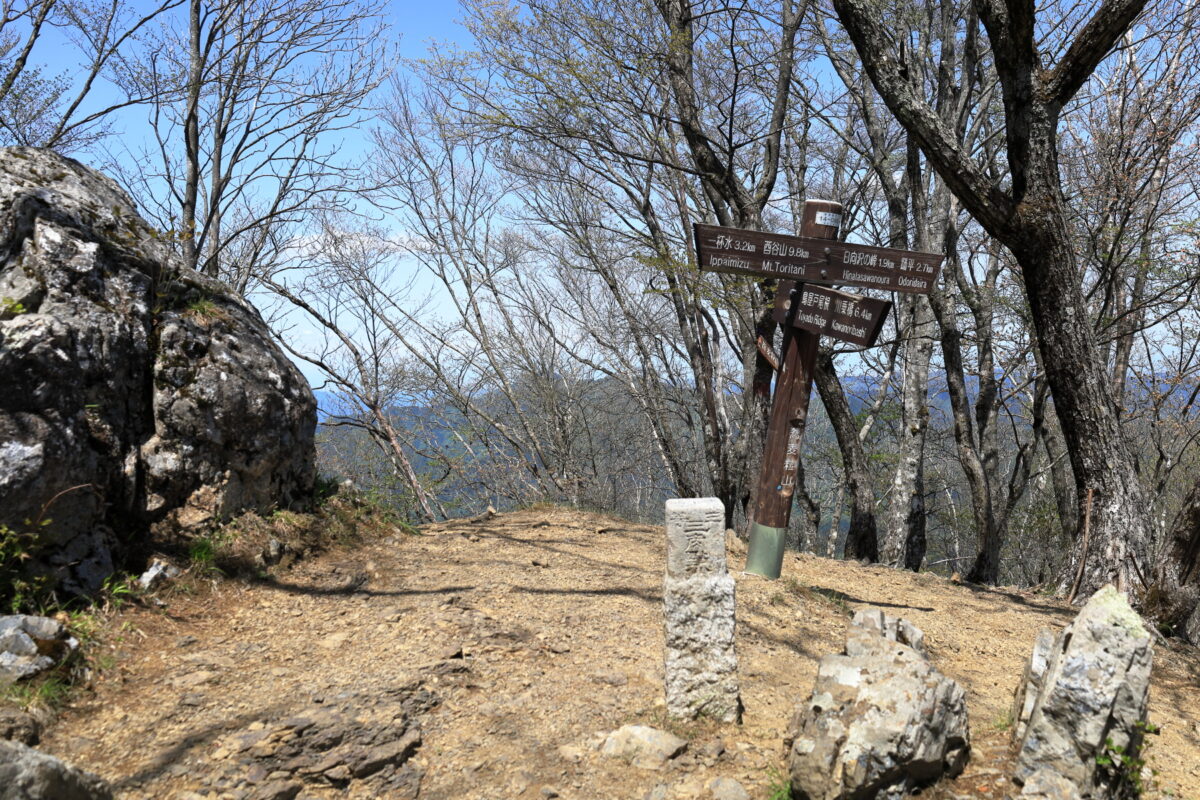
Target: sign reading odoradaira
[
  {"x": 847, "y": 317},
  {"x": 802, "y": 258}
]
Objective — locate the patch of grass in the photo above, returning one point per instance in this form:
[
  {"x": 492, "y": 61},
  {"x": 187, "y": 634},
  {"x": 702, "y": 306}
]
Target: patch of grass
[
  {"x": 118, "y": 590},
  {"x": 11, "y": 307},
  {"x": 84, "y": 624},
  {"x": 408, "y": 529},
  {"x": 205, "y": 549},
  {"x": 1003, "y": 721},
  {"x": 778, "y": 599},
  {"x": 243, "y": 547},
  {"x": 1126, "y": 767},
  {"x": 205, "y": 308},
  {"x": 779, "y": 785},
  {"x": 49, "y": 691},
  {"x": 20, "y": 590},
  {"x": 324, "y": 488}
]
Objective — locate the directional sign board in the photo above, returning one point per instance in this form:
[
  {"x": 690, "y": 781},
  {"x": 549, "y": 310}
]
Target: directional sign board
[
  {"x": 801, "y": 258},
  {"x": 840, "y": 315}
]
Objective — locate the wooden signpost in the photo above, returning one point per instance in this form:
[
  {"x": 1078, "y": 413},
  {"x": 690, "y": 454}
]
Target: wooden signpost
[{"x": 806, "y": 310}]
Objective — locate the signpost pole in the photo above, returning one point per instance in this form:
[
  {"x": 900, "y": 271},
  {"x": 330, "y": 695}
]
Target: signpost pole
[
  {"x": 806, "y": 312},
  {"x": 789, "y": 411}
]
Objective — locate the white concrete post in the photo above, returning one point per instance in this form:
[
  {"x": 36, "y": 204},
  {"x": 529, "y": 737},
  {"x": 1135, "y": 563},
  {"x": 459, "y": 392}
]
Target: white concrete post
[{"x": 698, "y": 595}]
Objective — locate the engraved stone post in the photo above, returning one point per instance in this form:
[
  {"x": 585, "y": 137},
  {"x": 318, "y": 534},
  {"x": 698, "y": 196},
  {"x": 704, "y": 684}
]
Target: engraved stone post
[{"x": 701, "y": 663}]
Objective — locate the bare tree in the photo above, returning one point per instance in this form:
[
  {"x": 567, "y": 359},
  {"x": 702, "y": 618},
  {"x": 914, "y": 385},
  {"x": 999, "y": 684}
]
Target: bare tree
[
  {"x": 247, "y": 99},
  {"x": 43, "y": 106},
  {"x": 1027, "y": 213}
]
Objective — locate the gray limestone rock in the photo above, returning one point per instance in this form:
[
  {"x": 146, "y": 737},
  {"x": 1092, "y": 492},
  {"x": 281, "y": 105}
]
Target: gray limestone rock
[
  {"x": 136, "y": 391},
  {"x": 894, "y": 629},
  {"x": 159, "y": 571},
  {"x": 30, "y": 644},
  {"x": 727, "y": 789},
  {"x": 1090, "y": 699},
  {"x": 700, "y": 614},
  {"x": 368, "y": 737},
  {"x": 1030, "y": 687},
  {"x": 881, "y": 720},
  {"x": 642, "y": 746},
  {"x": 1046, "y": 784},
  {"x": 27, "y": 774}
]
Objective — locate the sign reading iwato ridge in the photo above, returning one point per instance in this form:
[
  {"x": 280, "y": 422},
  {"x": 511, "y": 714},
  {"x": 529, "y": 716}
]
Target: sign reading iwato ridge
[
  {"x": 811, "y": 260},
  {"x": 849, "y": 317}
]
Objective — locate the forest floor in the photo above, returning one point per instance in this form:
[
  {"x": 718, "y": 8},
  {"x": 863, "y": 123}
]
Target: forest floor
[{"x": 515, "y": 644}]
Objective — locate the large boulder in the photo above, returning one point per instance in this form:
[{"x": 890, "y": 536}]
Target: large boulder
[
  {"x": 1080, "y": 710},
  {"x": 136, "y": 391},
  {"x": 28, "y": 774},
  {"x": 881, "y": 721}
]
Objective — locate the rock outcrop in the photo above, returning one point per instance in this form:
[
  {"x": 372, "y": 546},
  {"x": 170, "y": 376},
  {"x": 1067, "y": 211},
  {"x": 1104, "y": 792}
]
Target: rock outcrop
[
  {"x": 27, "y": 774},
  {"x": 881, "y": 721},
  {"x": 20, "y": 726},
  {"x": 136, "y": 391},
  {"x": 1080, "y": 711},
  {"x": 360, "y": 742}
]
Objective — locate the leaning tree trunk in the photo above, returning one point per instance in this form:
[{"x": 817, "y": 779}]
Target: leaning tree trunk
[
  {"x": 1028, "y": 214},
  {"x": 1115, "y": 545},
  {"x": 810, "y": 516},
  {"x": 861, "y": 538}
]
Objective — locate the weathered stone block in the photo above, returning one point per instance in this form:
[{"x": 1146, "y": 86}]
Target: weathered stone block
[
  {"x": 28, "y": 774},
  {"x": 881, "y": 720},
  {"x": 699, "y": 610},
  {"x": 1091, "y": 698}
]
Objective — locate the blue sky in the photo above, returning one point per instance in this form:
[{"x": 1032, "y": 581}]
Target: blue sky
[
  {"x": 421, "y": 22},
  {"x": 413, "y": 26}
]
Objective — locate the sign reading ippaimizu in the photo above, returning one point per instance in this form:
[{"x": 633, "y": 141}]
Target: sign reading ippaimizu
[
  {"x": 839, "y": 315},
  {"x": 800, "y": 258}
]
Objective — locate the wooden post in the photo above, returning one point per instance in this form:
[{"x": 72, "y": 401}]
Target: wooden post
[{"x": 789, "y": 411}]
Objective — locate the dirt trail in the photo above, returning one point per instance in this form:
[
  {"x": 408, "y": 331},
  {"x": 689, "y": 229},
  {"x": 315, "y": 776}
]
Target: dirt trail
[{"x": 556, "y": 616}]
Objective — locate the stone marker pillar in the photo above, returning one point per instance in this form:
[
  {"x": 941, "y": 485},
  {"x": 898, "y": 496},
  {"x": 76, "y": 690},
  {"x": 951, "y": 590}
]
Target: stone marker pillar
[{"x": 701, "y": 663}]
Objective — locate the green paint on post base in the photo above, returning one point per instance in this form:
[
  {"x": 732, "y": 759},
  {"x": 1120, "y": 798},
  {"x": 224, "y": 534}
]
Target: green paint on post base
[{"x": 766, "y": 550}]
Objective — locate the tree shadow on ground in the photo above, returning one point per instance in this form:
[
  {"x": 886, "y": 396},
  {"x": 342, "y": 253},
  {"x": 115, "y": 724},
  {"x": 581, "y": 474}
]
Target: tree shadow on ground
[
  {"x": 838, "y": 597},
  {"x": 1046, "y": 608},
  {"x": 315, "y": 590},
  {"x": 539, "y": 545},
  {"x": 175, "y": 754}
]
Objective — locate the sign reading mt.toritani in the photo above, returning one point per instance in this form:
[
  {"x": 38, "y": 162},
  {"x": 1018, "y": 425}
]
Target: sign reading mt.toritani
[
  {"x": 841, "y": 315},
  {"x": 801, "y": 258}
]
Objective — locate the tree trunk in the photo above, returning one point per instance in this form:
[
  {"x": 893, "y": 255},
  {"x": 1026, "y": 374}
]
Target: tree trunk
[
  {"x": 1175, "y": 599},
  {"x": 191, "y": 136},
  {"x": 1120, "y": 533},
  {"x": 914, "y": 543},
  {"x": 907, "y": 497},
  {"x": 810, "y": 515},
  {"x": 861, "y": 538},
  {"x": 835, "y": 523}
]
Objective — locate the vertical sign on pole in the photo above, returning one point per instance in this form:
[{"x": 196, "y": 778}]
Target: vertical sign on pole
[{"x": 789, "y": 411}]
